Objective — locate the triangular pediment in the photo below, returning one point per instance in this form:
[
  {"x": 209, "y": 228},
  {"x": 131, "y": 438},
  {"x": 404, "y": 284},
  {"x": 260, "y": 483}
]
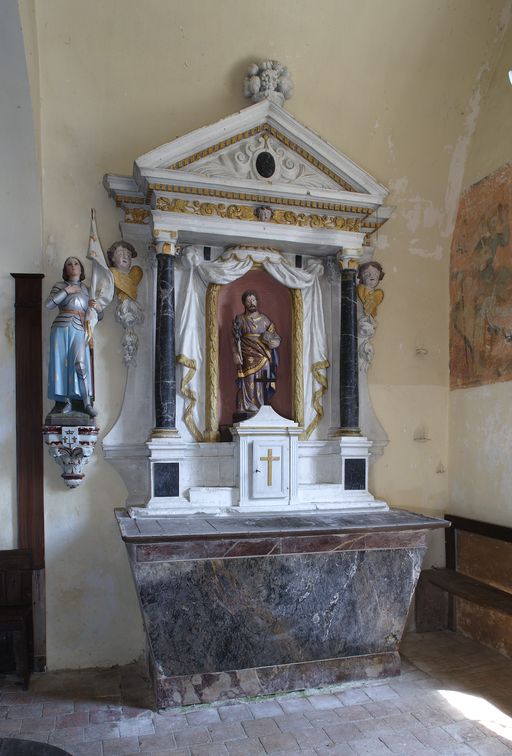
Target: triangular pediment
[
  {"x": 262, "y": 144},
  {"x": 259, "y": 166}
]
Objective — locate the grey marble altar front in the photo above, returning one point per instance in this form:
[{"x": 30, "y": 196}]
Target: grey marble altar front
[{"x": 237, "y": 606}]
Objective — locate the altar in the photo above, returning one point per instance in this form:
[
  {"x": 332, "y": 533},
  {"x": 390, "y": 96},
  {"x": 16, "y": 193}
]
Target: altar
[{"x": 262, "y": 560}]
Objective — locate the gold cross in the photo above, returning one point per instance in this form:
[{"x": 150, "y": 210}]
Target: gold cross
[{"x": 269, "y": 459}]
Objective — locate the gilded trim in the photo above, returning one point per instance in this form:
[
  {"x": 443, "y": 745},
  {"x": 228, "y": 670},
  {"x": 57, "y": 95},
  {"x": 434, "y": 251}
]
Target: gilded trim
[
  {"x": 188, "y": 393},
  {"x": 248, "y": 213},
  {"x": 318, "y": 376},
  {"x": 297, "y": 356},
  {"x": 260, "y": 198},
  {"x": 136, "y": 215},
  {"x": 267, "y": 129},
  {"x": 211, "y": 432},
  {"x": 132, "y": 199}
]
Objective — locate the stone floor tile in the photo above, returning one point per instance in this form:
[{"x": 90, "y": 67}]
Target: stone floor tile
[
  {"x": 314, "y": 738},
  {"x": 353, "y": 696},
  {"x": 157, "y": 742},
  {"x": 234, "y": 712},
  {"x": 371, "y": 746},
  {"x": 490, "y": 747},
  {"x": 66, "y": 736},
  {"x": 460, "y": 749},
  {"x": 191, "y": 736},
  {"x": 25, "y": 711},
  {"x": 377, "y": 709},
  {"x": 104, "y": 731},
  {"x": 100, "y": 716},
  {"x": 338, "y": 749},
  {"x": 258, "y": 727},
  {"x": 76, "y": 719},
  {"x": 279, "y": 741},
  {"x": 136, "y": 712},
  {"x": 226, "y": 731},
  {"x": 165, "y": 723},
  {"x": 38, "y": 737},
  {"x": 381, "y": 692},
  {"x": 353, "y": 713},
  {"x": 342, "y": 733},
  {"x": 122, "y": 746},
  {"x": 9, "y": 727},
  {"x": 269, "y": 708},
  {"x": 324, "y": 701},
  {"x": 401, "y": 742},
  {"x": 431, "y": 717},
  {"x": 57, "y": 708},
  {"x": 436, "y": 737},
  {"x": 85, "y": 749},
  {"x": 294, "y": 723},
  {"x": 247, "y": 747},
  {"x": 292, "y": 705},
  {"x": 136, "y": 727},
  {"x": 322, "y": 717},
  {"x": 203, "y": 717},
  {"x": 463, "y": 731},
  {"x": 211, "y": 749},
  {"x": 37, "y": 724},
  {"x": 373, "y": 727}
]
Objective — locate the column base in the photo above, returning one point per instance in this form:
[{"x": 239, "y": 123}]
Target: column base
[
  {"x": 339, "y": 432},
  {"x": 165, "y": 433}
]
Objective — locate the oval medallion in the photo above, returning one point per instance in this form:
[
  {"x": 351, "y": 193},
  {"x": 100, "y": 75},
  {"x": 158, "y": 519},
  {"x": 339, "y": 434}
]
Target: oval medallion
[{"x": 265, "y": 164}]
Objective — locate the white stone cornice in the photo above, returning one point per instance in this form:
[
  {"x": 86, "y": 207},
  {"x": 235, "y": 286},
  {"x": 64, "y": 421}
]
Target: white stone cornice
[
  {"x": 121, "y": 185},
  {"x": 212, "y": 230},
  {"x": 167, "y": 179}
]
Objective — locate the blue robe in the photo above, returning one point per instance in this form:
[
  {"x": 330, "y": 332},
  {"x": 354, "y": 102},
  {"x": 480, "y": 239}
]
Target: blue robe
[{"x": 68, "y": 349}]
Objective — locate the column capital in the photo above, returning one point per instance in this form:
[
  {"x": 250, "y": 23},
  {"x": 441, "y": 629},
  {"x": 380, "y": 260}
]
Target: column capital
[
  {"x": 348, "y": 259},
  {"x": 165, "y": 241}
]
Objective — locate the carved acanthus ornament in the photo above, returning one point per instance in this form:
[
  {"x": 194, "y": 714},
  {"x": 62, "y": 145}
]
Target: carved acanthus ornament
[
  {"x": 248, "y": 213},
  {"x": 288, "y": 167}
]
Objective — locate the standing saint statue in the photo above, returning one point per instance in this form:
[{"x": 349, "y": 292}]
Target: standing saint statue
[
  {"x": 69, "y": 368},
  {"x": 255, "y": 344}
]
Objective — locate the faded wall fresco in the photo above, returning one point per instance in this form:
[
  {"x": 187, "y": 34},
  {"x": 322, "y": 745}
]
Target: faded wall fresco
[{"x": 481, "y": 284}]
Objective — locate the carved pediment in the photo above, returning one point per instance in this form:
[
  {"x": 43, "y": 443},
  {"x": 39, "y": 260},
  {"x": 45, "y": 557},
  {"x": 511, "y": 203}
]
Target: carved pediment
[
  {"x": 230, "y": 171},
  {"x": 266, "y": 155}
]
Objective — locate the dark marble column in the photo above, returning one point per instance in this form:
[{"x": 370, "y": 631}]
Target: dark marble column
[
  {"x": 349, "y": 374},
  {"x": 165, "y": 349}
]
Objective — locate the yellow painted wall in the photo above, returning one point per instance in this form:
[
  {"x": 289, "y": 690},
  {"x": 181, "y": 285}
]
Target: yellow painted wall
[
  {"x": 395, "y": 85},
  {"x": 481, "y": 418},
  {"x": 20, "y": 237}
]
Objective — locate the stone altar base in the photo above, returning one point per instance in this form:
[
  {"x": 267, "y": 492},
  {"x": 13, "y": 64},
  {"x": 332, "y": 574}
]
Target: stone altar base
[{"x": 236, "y": 606}]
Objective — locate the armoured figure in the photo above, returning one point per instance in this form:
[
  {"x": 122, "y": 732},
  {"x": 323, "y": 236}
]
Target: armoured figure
[{"x": 69, "y": 367}]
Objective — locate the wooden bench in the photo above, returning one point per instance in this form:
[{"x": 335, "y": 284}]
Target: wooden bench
[
  {"x": 478, "y": 570},
  {"x": 16, "y": 605}
]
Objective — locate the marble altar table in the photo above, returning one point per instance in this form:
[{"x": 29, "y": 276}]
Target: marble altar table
[{"x": 246, "y": 606}]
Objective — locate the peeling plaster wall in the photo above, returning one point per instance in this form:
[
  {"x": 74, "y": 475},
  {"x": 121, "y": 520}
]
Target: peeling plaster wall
[
  {"x": 20, "y": 237},
  {"x": 481, "y": 417},
  {"x": 399, "y": 94}
]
